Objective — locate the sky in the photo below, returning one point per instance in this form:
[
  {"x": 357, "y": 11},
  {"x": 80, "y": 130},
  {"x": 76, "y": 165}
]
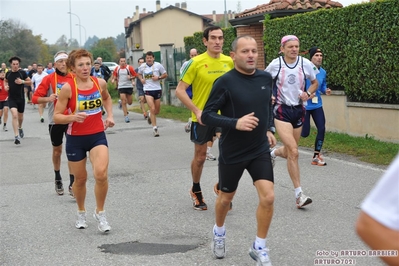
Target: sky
[{"x": 103, "y": 18}]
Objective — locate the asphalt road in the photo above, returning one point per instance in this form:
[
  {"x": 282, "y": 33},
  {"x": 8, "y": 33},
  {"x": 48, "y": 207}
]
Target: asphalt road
[{"x": 149, "y": 208}]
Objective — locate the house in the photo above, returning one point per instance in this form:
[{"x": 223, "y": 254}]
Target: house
[
  {"x": 250, "y": 21},
  {"x": 169, "y": 25}
]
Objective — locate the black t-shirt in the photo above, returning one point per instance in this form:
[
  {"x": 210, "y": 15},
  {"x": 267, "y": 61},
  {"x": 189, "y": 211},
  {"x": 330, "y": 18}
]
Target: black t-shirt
[
  {"x": 31, "y": 73},
  {"x": 16, "y": 91},
  {"x": 237, "y": 95}
]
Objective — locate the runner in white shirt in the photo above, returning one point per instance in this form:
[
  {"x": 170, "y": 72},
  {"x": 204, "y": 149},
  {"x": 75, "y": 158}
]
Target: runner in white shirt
[
  {"x": 36, "y": 80},
  {"x": 289, "y": 73},
  {"x": 151, "y": 73},
  {"x": 378, "y": 223}
]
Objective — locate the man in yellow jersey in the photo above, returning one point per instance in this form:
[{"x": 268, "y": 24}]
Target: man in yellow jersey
[{"x": 200, "y": 72}]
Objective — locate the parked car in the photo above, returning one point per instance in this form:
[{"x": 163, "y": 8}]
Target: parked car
[{"x": 111, "y": 65}]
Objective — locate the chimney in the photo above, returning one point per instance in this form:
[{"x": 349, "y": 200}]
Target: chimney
[
  {"x": 229, "y": 15},
  {"x": 144, "y": 11},
  {"x": 184, "y": 5},
  {"x": 214, "y": 16},
  {"x": 158, "y": 5},
  {"x": 177, "y": 5}
]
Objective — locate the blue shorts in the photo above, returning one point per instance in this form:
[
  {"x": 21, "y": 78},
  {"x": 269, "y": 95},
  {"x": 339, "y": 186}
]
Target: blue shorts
[
  {"x": 77, "y": 146},
  {"x": 154, "y": 94},
  {"x": 295, "y": 114},
  {"x": 259, "y": 168}
]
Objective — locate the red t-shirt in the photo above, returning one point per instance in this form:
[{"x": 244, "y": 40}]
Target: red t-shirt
[
  {"x": 129, "y": 67},
  {"x": 88, "y": 101},
  {"x": 50, "y": 84},
  {"x": 3, "y": 92}
]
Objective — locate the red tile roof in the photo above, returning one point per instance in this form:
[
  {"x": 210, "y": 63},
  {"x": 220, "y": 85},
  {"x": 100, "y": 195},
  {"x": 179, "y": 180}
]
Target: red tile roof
[{"x": 274, "y": 5}]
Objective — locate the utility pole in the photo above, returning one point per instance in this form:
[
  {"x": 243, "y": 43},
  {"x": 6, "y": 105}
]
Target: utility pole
[
  {"x": 225, "y": 14},
  {"x": 70, "y": 23}
]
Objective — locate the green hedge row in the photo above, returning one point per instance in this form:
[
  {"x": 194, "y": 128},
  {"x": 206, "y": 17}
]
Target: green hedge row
[{"x": 360, "y": 45}]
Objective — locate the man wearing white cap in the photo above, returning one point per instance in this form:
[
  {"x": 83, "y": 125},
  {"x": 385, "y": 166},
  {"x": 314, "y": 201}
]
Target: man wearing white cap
[{"x": 47, "y": 92}]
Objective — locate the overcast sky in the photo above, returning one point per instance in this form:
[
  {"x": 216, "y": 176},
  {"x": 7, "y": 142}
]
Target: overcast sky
[{"x": 103, "y": 18}]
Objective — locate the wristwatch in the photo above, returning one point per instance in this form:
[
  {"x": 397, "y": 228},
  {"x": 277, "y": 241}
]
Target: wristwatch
[
  {"x": 308, "y": 92},
  {"x": 159, "y": 78},
  {"x": 272, "y": 129}
]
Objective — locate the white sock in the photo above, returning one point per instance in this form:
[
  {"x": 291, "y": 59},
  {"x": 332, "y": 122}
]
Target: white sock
[
  {"x": 155, "y": 127},
  {"x": 260, "y": 243},
  {"x": 219, "y": 230},
  {"x": 297, "y": 191},
  {"x": 208, "y": 149},
  {"x": 272, "y": 153}
]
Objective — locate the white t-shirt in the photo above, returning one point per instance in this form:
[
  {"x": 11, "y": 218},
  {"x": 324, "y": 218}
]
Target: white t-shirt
[
  {"x": 382, "y": 203},
  {"x": 37, "y": 79},
  {"x": 291, "y": 81},
  {"x": 148, "y": 72}
]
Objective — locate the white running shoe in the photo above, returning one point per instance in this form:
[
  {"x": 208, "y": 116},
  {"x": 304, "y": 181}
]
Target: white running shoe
[
  {"x": 187, "y": 127},
  {"x": 218, "y": 245},
  {"x": 302, "y": 200},
  {"x": 101, "y": 219},
  {"x": 273, "y": 158},
  {"x": 261, "y": 256},
  {"x": 210, "y": 157},
  {"x": 81, "y": 221},
  {"x": 318, "y": 160},
  {"x": 156, "y": 132}
]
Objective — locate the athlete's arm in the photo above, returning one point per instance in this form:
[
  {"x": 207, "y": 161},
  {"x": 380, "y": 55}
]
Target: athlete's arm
[
  {"x": 61, "y": 106},
  {"x": 314, "y": 84},
  {"x": 378, "y": 237},
  {"x": 40, "y": 95},
  {"x": 107, "y": 103},
  {"x": 182, "y": 95},
  {"x": 32, "y": 83},
  {"x": 27, "y": 81},
  {"x": 133, "y": 73}
]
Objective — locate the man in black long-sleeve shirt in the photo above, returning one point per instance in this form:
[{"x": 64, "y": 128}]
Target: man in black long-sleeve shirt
[{"x": 244, "y": 98}]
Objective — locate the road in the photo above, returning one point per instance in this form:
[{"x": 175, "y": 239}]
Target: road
[{"x": 149, "y": 208}]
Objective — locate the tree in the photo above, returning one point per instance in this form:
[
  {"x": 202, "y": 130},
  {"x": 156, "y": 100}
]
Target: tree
[
  {"x": 103, "y": 53},
  {"x": 17, "y": 39},
  {"x": 109, "y": 46},
  {"x": 238, "y": 7},
  {"x": 120, "y": 41}
]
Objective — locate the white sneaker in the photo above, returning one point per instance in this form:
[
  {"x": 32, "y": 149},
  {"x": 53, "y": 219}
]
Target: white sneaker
[
  {"x": 187, "y": 127},
  {"x": 210, "y": 157},
  {"x": 318, "y": 160},
  {"x": 273, "y": 158},
  {"x": 5, "y": 128},
  {"x": 81, "y": 221},
  {"x": 302, "y": 200},
  {"x": 156, "y": 132},
  {"x": 101, "y": 219},
  {"x": 218, "y": 245},
  {"x": 261, "y": 256}
]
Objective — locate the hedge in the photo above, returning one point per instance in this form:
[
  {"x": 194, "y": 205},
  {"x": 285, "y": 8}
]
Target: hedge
[{"x": 359, "y": 42}]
